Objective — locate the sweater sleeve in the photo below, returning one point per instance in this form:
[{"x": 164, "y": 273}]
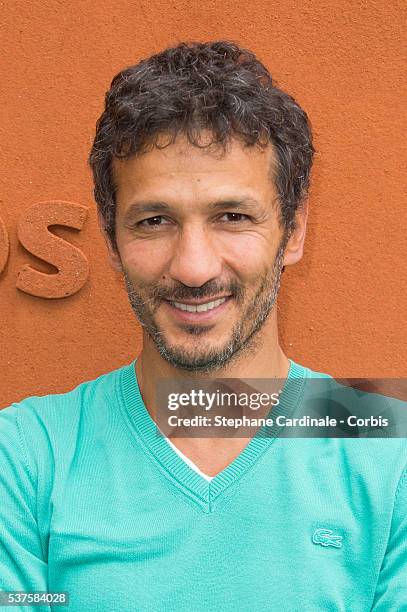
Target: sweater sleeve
[
  {"x": 22, "y": 561},
  {"x": 391, "y": 590}
]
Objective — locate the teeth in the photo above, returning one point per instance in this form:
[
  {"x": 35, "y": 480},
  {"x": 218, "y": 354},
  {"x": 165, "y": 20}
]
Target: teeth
[{"x": 199, "y": 307}]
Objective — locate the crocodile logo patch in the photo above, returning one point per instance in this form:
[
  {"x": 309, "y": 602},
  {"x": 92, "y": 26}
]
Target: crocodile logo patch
[{"x": 326, "y": 537}]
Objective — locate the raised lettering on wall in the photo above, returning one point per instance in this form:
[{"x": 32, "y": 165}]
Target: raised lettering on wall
[
  {"x": 4, "y": 245},
  {"x": 34, "y": 235}
]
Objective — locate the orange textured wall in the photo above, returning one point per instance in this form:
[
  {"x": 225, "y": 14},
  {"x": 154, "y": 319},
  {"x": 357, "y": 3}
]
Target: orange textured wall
[{"x": 341, "y": 309}]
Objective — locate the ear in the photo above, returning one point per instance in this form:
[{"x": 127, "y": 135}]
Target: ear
[
  {"x": 113, "y": 254},
  {"x": 295, "y": 245}
]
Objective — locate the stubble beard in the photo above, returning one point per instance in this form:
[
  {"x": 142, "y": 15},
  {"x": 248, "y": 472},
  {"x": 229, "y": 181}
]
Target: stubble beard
[{"x": 243, "y": 337}]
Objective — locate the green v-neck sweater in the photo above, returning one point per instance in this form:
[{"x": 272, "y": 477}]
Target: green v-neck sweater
[{"x": 94, "y": 503}]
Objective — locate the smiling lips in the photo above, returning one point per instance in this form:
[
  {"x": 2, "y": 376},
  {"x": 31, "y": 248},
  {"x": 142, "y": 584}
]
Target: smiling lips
[
  {"x": 199, "y": 307},
  {"x": 199, "y": 311}
]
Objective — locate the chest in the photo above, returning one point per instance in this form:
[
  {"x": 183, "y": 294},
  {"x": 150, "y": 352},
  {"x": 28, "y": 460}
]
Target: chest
[{"x": 132, "y": 538}]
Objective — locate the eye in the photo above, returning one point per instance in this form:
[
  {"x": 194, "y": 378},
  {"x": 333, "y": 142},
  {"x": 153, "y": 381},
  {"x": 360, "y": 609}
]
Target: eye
[
  {"x": 153, "y": 222},
  {"x": 234, "y": 217}
]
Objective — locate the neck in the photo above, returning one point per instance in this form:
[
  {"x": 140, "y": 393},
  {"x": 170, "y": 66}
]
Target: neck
[{"x": 263, "y": 359}]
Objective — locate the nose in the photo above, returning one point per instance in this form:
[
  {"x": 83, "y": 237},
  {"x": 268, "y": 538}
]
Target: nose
[{"x": 195, "y": 260}]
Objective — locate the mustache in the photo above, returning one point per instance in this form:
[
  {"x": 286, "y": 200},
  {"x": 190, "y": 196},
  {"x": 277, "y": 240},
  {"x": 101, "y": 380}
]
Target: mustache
[{"x": 207, "y": 290}]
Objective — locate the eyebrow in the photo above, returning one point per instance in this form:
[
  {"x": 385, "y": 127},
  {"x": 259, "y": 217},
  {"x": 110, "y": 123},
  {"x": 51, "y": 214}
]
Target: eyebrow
[{"x": 137, "y": 208}]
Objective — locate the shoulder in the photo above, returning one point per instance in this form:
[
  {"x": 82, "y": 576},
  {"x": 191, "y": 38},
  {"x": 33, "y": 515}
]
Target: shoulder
[
  {"x": 45, "y": 425},
  {"x": 56, "y": 406},
  {"x": 370, "y": 439},
  {"x": 300, "y": 370}
]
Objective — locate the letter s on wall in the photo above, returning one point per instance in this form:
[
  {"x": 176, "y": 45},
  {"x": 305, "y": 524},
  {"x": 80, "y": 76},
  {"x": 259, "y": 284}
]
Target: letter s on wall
[
  {"x": 72, "y": 264},
  {"x": 4, "y": 245}
]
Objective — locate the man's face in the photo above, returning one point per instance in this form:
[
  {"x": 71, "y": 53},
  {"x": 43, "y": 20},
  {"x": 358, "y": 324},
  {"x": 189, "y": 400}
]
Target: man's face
[{"x": 200, "y": 247}]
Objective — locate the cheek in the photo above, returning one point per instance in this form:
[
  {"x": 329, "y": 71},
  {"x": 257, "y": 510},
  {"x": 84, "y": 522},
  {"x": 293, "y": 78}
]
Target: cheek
[
  {"x": 248, "y": 254},
  {"x": 145, "y": 260}
]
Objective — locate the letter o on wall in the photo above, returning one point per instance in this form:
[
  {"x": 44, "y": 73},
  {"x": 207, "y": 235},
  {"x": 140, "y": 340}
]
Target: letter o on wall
[
  {"x": 34, "y": 235},
  {"x": 4, "y": 245}
]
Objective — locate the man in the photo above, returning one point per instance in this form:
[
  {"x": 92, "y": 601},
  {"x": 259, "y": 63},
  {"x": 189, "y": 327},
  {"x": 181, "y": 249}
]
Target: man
[{"x": 201, "y": 169}]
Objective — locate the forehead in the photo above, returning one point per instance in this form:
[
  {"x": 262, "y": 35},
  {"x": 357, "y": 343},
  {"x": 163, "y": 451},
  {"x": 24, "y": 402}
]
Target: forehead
[{"x": 182, "y": 169}]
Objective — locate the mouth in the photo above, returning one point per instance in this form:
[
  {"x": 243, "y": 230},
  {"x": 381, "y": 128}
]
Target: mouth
[{"x": 199, "y": 310}]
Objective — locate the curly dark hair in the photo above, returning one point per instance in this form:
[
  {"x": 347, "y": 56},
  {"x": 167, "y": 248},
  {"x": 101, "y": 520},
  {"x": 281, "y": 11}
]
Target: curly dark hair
[{"x": 216, "y": 86}]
